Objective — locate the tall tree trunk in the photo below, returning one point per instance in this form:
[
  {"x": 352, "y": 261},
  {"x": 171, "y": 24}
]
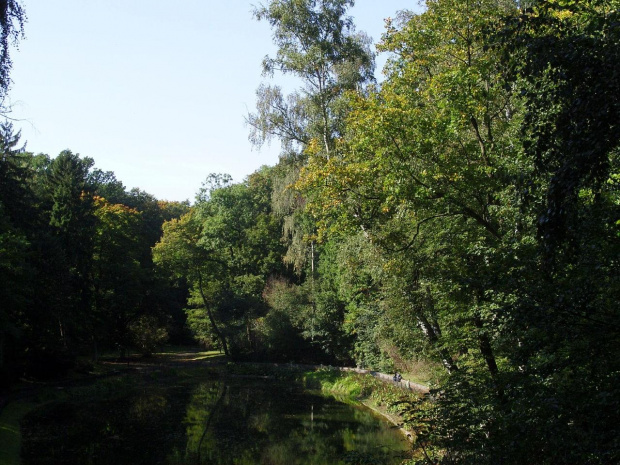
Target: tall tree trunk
[
  {"x": 432, "y": 331},
  {"x": 218, "y": 333},
  {"x": 433, "y": 338},
  {"x": 62, "y": 333},
  {"x": 484, "y": 344}
]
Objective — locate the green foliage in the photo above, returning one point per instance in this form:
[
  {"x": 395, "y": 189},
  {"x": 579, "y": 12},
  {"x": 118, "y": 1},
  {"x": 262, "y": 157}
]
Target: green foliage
[
  {"x": 316, "y": 43},
  {"x": 12, "y": 19},
  {"x": 76, "y": 268},
  {"x": 117, "y": 276},
  {"x": 280, "y": 329},
  {"x": 570, "y": 123},
  {"x": 488, "y": 199},
  {"x": 15, "y": 287},
  {"x": 226, "y": 248},
  {"x": 335, "y": 383},
  {"x": 148, "y": 334},
  {"x": 464, "y": 212}
]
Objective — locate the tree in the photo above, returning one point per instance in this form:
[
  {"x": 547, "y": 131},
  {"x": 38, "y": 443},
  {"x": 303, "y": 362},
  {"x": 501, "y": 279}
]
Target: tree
[
  {"x": 14, "y": 290},
  {"x": 13, "y": 177},
  {"x": 237, "y": 222},
  {"x": 12, "y": 18},
  {"x": 318, "y": 45},
  {"x": 72, "y": 224},
  {"x": 485, "y": 177},
  {"x": 107, "y": 186},
  {"x": 563, "y": 58},
  {"x": 226, "y": 248},
  {"x": 570, "y": 129},
  {"x": 430, "y": 149},
  {"x": 117, "y": 277},
  {"x": 179, "y": 251},
  {"x": 426, "y": 173}
]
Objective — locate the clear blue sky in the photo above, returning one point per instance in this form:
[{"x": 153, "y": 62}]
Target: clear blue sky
[{"x": 155, "y": 90}]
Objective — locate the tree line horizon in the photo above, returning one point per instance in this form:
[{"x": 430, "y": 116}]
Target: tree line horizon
[{"x": 462, "y": 215}]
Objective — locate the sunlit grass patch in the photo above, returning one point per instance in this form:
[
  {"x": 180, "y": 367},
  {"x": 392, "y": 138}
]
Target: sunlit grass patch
[
  {"x": 334, "y": 382},
  {"x": 212, "y": 354},
  {"x": 178, "y": 353}
]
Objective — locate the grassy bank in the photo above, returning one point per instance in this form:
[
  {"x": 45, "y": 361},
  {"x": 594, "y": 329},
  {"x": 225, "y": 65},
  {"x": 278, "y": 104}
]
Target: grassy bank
[
  {"x": 385, "y": 398},
  {"x": 345, "y": 386},
  {"x": 399, "y": 406}
]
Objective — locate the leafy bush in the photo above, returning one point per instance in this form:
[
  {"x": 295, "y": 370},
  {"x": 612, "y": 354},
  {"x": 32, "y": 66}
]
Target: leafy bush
[{"x": 148, "y": 334}]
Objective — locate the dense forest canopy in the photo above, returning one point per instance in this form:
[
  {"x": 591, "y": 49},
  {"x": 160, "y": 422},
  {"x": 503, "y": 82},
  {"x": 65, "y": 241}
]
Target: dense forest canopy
[{"x": 463, "y": 214}]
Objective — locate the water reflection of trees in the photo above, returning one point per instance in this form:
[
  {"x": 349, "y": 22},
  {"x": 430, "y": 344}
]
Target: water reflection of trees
[
  {"x": 249, "y": 425},
  {"x": 135, "y": 427},
  {"x": 212, "y": 422}
]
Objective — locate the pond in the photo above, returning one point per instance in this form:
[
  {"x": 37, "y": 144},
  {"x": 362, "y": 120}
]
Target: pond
[{"x": 210, "y": 422}]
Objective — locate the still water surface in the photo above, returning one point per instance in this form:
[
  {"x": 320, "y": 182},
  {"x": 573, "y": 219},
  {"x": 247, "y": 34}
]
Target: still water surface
[{"x": 211, "y": 422}]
